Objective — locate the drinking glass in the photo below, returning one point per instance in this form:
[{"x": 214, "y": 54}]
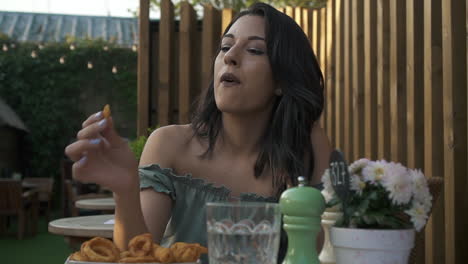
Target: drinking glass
[{"x": 243, "y": 232}]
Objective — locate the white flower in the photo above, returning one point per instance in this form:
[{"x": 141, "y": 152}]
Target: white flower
[
  {"x": 398, "y": 183},
  {"x": 421, "y": 190},
  {"x": 326, "y": 195},
  {"x": 358, "y": 165},
  {"x": 375, "y": 171},
  {"x": 357, "y": 184},
  {"x": 327, "y": 185},
  {"x": 418, "y": 215}
]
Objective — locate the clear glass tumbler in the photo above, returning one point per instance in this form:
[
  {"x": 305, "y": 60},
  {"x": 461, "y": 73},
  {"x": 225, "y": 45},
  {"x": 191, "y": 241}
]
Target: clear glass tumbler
[{"x": 243, "y": 232}]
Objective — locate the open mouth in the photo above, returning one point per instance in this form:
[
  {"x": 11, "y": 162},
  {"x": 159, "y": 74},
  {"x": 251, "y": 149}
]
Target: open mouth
[{"x": 229, "y": 79}]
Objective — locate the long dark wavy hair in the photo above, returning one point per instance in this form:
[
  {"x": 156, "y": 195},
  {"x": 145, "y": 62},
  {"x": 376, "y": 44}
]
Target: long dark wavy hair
[{"x": 286, "y": 146}]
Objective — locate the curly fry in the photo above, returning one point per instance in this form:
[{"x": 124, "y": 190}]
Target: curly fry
[
  {"x": 142, "y": 259},
  {"x": 125, "y": 254},
  {"x": 106, "y": 112},
  {"x": 186, "y": 252},
  {"x": 100, "y": 249},
  {"x": 78, "y": 256},
  {"x": 141, "y": 245},
  {"x": 163, "y": 255}
]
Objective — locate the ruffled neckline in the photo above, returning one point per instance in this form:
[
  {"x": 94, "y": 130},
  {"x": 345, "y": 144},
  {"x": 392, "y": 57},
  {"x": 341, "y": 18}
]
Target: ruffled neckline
[{"x": 203, "y": 184}]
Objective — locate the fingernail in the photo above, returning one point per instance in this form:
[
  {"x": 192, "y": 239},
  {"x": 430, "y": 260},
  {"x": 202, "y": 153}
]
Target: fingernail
[
  {"x": 82, "y": 161},
  {"x": 98, "y": 114},
  {"x": 95, "y": 141},
  {"x": 102, "y": 123}
]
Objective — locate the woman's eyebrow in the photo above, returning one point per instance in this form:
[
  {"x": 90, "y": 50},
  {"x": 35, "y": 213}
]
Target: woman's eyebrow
[{"x": 249, "y": 38}]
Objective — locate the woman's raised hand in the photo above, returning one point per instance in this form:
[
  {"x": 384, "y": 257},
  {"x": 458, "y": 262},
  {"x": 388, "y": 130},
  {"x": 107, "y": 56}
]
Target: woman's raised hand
[{"x": 101, "y": 156}]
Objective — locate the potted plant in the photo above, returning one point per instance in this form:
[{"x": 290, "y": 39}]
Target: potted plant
[{"x": 387, "y": 203}]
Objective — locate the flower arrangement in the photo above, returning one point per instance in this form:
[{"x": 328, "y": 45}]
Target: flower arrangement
[{"x": 383, "y": 195}]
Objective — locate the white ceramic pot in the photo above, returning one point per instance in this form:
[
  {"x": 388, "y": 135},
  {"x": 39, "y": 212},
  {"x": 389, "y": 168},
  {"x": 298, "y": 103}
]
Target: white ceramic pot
[{"x": 367, "y": 246}]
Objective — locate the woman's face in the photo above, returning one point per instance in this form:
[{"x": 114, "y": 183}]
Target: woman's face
[{"x": 243, "y": 81}]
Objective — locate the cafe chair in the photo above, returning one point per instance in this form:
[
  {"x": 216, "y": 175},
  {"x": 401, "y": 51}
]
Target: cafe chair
[
  {"x": 23, "y": 205},
  {"x": 436, "y": 185},
  {"x": 73, "y": 196},
  {"x": 44, "y": 187}
]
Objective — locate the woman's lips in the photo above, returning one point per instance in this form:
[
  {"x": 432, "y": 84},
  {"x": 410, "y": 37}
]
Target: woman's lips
[{"x": 229, "y": 79}]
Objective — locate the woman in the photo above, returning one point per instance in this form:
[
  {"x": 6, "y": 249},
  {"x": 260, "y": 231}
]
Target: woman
[{"x": 256, "y": 130}]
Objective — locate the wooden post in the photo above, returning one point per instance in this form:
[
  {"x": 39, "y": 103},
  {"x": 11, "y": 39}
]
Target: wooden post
[
  {"x": 383, "y": 102},
  {"x": 227, "y": 15},
  {"x": 358, "y": 79},
  {"x": 338, "y": 74},
  {"x": 188, "y": 25},
  {"x": 143, "y": 69},
  {"x": 330, "y": 76},
  {"x": 397, "y": 80},
  {"x": 210, "y": 41},
  {"x": 323, "y": 52},
  {"x": 455, "y": 142},
  {"x": 166, "y": 63},
  {"x": 347, "y": 144},
  {"x": 370, "y": 80},
  {"x": 433, "y": 130}
]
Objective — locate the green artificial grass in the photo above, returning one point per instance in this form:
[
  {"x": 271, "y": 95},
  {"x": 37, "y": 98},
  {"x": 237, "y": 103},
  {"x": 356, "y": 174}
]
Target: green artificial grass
[{"x": 43, "y": 248}]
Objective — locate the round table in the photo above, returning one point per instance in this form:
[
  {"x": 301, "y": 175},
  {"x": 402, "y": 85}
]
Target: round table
[
  {"x": 96, "y": 204},
  {"x": 76, "y": 230}
]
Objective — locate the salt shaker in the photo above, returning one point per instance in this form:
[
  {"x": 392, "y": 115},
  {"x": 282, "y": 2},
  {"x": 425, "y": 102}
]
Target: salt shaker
[{"x": 302, "y": 207}]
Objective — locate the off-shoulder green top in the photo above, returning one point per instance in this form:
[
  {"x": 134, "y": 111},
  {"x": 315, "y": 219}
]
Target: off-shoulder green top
[{"x": 188, "y": 219}]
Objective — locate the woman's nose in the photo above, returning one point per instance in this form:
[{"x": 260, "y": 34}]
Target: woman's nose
[{"x": 231, "y": 57}]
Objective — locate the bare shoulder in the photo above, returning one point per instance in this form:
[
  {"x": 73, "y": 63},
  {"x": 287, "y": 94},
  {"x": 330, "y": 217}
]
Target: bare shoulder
[{"x": 165, "y": 144}]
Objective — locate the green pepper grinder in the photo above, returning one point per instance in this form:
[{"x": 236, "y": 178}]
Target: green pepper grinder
[{"x": 302, "y": 207}]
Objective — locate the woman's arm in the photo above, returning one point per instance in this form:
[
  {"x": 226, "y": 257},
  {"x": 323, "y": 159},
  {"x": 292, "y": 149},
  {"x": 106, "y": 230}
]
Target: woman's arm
[
  {"x": 147, "y": 210},
  {"x": 322, "y": 150}
]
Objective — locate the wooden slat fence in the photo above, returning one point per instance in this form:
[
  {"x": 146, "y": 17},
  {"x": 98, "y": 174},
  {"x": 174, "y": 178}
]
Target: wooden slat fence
[{"x": 396, "y": 88}]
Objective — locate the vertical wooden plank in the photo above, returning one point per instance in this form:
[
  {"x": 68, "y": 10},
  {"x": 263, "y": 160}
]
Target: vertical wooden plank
[
  {"x": 210, "y": 40},
  {"x": 358, "y": 79},
  {"x": 143, "y": 68},
  {"x": 186, "y": 63},
  {"x": 433, "y": 152},
  {"x": 347, "y": 80},
  {"x": 323, "y": 50},
  {"x": 397, "y": 80},
  {"x": 414, "y": 83},
  {"x": 338, "y": 74},
  {"x": 330, "y": 76},
  {"x": 298, "y": 16},
  {"x": 383, "y": 57},
  {"x": 315, "y": 32},
  {"x": 370, "y": 92},
  {"x": 166, "y": 41},
  {"x": 454, "y": 109},
  {"x": 227, "y": 15},
  {"x": 307, "y": 22},
  {"x": 289, "y": 10}
]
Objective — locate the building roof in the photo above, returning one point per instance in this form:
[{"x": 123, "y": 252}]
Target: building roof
[
  {"x": 40, "y": 27},
  {"x": 8, "y": 117}
]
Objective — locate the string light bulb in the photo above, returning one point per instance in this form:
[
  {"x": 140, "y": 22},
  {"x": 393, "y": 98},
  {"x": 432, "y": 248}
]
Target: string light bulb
[
  {"x": 90, "y": 65},
  {"x": 105, "y": 48},
  {"x": 134, "y": 47},
  {"x": 114, "y": 70},
  {"x": 72, "y": 46},
  {"x": 12, "y": 45},
  {"x": 33, "y": 54},
  {"x": 5, "y": 47},
  {"x": 40, "y": 46},
  {"x": 62, "y": 60}
]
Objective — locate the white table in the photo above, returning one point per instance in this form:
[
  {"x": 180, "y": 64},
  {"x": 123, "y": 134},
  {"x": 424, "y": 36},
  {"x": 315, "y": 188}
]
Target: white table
[{"x": 96, "y": 204}]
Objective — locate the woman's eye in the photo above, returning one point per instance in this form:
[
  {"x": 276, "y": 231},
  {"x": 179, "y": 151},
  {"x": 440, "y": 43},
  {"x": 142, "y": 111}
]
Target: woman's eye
[
  {"x": 256, "y": 51},
  {"x": 225, "y": 48}
]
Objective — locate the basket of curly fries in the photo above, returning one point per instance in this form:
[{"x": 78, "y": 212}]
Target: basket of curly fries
[{"x": 141, "y": 249}]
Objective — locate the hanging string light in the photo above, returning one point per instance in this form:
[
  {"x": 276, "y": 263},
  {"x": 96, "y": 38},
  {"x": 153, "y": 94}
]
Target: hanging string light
[
  {"x": 33, "y": 54},
  {"x": 134, "y": 47},
  {"x": 5, "y": 47},
  {"x": 62, "y": 60},
  {"x": 105, "y": 48},
  {"x": 114, "y": 70},
  {"x": 40, "y": 46},
  {"x": 12, "y": 45},
  {"x": 90, "y": 65},
  {"x": 72, "y": 46}
]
